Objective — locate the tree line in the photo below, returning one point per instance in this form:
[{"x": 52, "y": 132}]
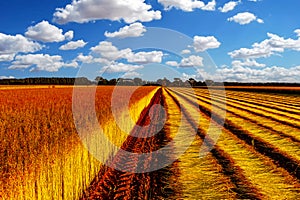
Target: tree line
[{"x": 176, "y": 82}]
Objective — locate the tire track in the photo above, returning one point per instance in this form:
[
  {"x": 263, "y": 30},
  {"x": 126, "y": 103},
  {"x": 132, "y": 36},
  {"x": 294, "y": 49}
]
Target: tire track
[{"x": 114, "y": 184}]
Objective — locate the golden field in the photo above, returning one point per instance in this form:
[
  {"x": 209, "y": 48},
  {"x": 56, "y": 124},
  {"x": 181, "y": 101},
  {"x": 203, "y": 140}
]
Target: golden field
[
  {"x": 42, "y": 156},
  {"x": 255, "y": 138}
]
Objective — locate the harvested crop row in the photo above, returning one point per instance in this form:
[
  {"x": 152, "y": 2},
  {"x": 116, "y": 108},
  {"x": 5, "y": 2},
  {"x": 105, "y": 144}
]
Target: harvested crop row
[
  {"x": 284, "y": 145},
  {"x": 274, "y": 113},
  {"x": 242, "y": 187},
  {"x": 198, "y": 178},
  {"x": 278, "y": 126},
  {"x": 254, "y": 99},
  {"x": 256, "y": 167},
  {"x": 263, "y": 143},
  {"x": 288, "y": 100}
]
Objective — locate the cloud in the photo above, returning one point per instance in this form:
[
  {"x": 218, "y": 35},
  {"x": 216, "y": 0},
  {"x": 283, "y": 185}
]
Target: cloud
[
  {"x": 111, "y": 53},
  {"x": 40, "y": 62},
  {"x": 46, "y": 32},
  {"x": 172, "y": 63},
  {"x": 191, "y": 61},
  {"x": 73, "y": 45},
  {"x": 186, "y": 51},
  {"x": 85, "y": 59},
  {"x": 120, "y": 67},
  {"x": 133, "y": 30},
  {"x": 248, "y": 63},
  {"x": 245, "y": 18},
  {"x": 6, "y": 57},
  {"x": 131, "y": 74},
  {"x": 210, "y": 6},
  {"x": 229, "y": 6},
  {"x": 145, "y": 57},
  {"x": 11, "y": 45},
  {"x": 297, "y": 31},
  {"x": 188, "y": 5},
  {"x": 82, "y": 11},
  {"x": 274, "y": 44},
  {"x": 90, "y": 59},
  {"x": 269, "y": 74},
  {"x": 107, "y": 51},
  {"x": 7, "y": 77},
  {"x": 202, "y": 43}
]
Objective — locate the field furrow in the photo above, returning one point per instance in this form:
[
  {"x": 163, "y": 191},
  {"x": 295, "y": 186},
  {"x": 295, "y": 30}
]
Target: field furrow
[
  {"x": 278, "y": 127},
  {"x": 254, "y": 164},
  {"x": 278, "y": 99},
  {"x": 273, "y": 114},
  {"x": 254, "y": 99}
]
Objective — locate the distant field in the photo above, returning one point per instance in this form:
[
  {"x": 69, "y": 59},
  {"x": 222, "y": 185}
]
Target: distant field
[
  {"x": 266, "y": 89},
  {"x": 256, "y": 156}
]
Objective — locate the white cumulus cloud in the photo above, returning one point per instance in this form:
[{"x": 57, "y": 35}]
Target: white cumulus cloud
[
  {"x": 131, "y": 74},
  {"x": 210, "y": 6},
  {"x": 245, "y": 18},
  {"x": 188, "y": 5},
  {"x": 73, "y": 45},
  {"x": 40, "y": 62},
  {"x": 6, "y": 57},
  {"x": 191, "y": 61},
  {"x": 111, "y": 53},
  {"x": 133, "y": 30},
  {"x": 108, "y": 51},
  {"x": 84, "y": 59},
  {"x": 145, "y": 57},
  {"x": 10, "y": 45},
  {"x": 120, "y": 67},
  {"x": 297, "y": 31},
  {"x": 273, "y": 45},
  {"x": 172, "y": 63},
  {"x": 186, "y": 51},
  {"x": 229, "y": 6},
  {"x": 82, "y": 11},
  {"x": 46, "y": 32},
  {"x": 268, "y": 74},
  {"x": 202, "y": 43},
  {"x": 7, "y": 77},
  {"x": 247, "y": 63}
]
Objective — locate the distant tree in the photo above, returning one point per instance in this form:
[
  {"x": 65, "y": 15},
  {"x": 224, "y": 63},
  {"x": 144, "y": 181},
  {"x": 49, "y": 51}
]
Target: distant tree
[
  {"x": 112, "y": 81},
  {"x": 177, "y": 82},
  {"x": 209, "y": 82},
  {"x": 101, "y": 81},
  {"x": 138, "y": 81},
  {"x": 193, "y": 82}
]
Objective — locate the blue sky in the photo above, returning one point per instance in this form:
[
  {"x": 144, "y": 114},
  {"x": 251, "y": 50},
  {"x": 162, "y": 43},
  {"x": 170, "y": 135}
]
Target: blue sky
[{"x": 246, "y": 40}]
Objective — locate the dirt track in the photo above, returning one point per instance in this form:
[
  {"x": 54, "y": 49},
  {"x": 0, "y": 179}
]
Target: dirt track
[{"x": 114, "y": 184}]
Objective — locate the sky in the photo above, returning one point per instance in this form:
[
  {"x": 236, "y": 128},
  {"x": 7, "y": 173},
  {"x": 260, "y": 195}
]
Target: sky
[{"x": 239, "y": 40}]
